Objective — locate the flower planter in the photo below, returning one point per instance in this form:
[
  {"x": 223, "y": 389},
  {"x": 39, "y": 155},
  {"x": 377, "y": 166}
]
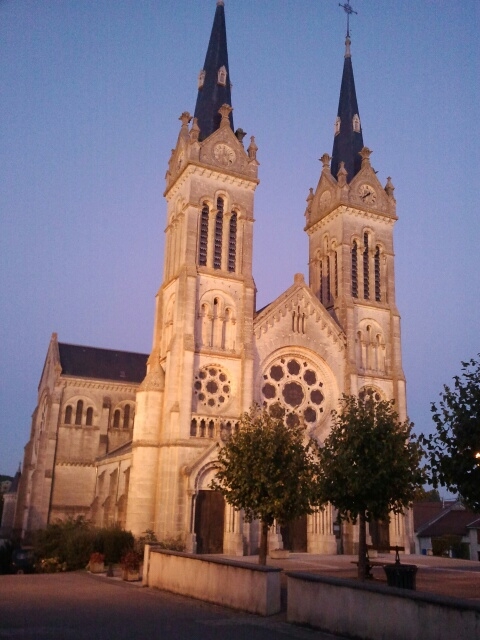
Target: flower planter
[
  {"x": 279, "y": 554},
  {"x": 130, "y": 575},
  {"x": 97, "y": 567}
]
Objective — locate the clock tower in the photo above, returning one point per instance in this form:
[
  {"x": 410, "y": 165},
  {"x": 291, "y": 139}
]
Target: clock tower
[
  {"x": 349, "y": 221},
  {"x": 199, "y": 376}
]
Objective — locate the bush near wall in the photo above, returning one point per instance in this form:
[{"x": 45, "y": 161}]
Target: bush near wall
[
  {"x": 71, "y": 542},
  {"x": 450, "y": 545}
]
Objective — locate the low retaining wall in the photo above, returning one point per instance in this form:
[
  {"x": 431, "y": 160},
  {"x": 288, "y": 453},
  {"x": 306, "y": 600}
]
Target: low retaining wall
[
  {"x": 239, "y": 585},
  {"x": 378, "y": 612}
]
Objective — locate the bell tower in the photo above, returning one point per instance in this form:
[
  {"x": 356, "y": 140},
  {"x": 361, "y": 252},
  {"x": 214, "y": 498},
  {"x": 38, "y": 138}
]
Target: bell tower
[
  {"x": 199, "y": 374},
  {"x": 349, "y": 221}
]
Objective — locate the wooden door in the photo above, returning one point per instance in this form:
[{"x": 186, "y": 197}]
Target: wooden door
[
  {"x": 294, "y": 535},
  {"x": 209, "y": 521}
]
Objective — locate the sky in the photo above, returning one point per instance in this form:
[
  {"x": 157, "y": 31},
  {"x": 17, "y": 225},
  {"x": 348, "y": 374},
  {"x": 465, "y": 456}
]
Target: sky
[{"x": 91, "y": 92}]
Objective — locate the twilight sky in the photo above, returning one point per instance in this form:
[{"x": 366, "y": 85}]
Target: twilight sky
[{"x": 91, "y": 92}]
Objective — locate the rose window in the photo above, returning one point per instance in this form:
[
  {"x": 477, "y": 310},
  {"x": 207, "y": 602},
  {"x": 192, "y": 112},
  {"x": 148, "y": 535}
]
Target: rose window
[
  {"x": 295, "y": 385},
  {"x": 212, "y": 387}
]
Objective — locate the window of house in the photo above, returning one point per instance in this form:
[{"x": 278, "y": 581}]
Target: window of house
[
  {"x": 116, "y": 419},
  {"x": 68, "y": 415}
]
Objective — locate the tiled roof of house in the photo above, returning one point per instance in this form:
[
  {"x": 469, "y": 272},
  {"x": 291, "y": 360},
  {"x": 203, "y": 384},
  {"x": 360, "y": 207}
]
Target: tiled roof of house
[
  {"x": 451, "y": 520},
  {"x": 103, "y": 364}
]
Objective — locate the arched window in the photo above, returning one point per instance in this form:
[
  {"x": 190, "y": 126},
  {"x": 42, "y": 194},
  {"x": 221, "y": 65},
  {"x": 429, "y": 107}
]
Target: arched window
[
  {"x": 203, "y": 243},
  {"x": 79, "y": 412},
  {"x": 232, "y": 243},
  {"x": 366, "y": 284},
  {"x": 202, "y": 428},
  {"x": 355, "y": 269},
  {"x": 68, "y": 415},
  {"x": 193, "y": 428},
  {"x": 335, "y": 275},
  {"x": 89, "y": 420},
  {"x": 217, "y": 252},
  {"x": 321, "y": 281},
  {"x": 116, "y": 419},
  {"x": 378, "y": 291},
  {"x": 126, "y": 416},
  {"x": 211, "y": 429},
  {"x": 328, "y": 280}
]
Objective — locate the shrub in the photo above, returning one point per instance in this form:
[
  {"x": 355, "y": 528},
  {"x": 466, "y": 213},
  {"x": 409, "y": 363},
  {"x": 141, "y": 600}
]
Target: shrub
[
  {"x": 131, "y": 561},
  {"x": 173, "y": 544}
]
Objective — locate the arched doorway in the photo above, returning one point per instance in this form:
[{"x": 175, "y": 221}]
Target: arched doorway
[
  {"x": 294, "y": 535},
  {"x": 209, "y": 521},
  {"x": 380, "y": 533}
]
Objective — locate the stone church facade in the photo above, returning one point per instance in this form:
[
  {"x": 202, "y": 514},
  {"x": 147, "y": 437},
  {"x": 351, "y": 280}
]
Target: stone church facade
[{"x": 132, "y": 439}]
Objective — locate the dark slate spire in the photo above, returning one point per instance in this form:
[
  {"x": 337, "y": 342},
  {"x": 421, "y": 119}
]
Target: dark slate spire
[
  {"x": 348, "y": 141},
  {"x": 214, "y": 79}
]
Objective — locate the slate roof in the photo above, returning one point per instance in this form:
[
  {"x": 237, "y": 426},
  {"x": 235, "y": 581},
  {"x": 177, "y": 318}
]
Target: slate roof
[
  {"x": 213, "y": 95},
  {"x": 348, "y": 143},
  {"x": 104, "y": 364},
  {"x": 454, "y": 522}
]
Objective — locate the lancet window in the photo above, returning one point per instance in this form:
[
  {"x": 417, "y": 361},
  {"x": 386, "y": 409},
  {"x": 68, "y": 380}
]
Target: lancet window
[
  {"x": 355, "y": 269},
  {"x": 217, "y": 252},
  {"x": 378, "y": 290},
  {"x": 232, "y": 242},
  {"x": 203, "y": 244},
  {"x": 366, "y": 269}
]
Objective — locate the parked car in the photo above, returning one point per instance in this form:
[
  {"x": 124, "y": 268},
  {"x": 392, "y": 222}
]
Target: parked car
[{"x": 23, "y": 561}]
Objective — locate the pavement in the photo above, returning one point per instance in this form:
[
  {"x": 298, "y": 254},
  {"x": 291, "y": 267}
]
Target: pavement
[
  {"x": 443, "y": 576},
  {"x": 84, "y": 606}
]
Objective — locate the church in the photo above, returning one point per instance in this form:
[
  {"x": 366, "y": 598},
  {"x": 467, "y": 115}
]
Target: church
[{"x": 131, "y": 438}]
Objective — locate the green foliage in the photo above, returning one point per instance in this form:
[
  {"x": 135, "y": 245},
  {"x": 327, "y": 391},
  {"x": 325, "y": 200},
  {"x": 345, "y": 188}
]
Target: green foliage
[
  {"x": 113, "y": 542},
  {"x": 70, "y": 544},
  {"x": 173, "y": 544},
  {"x": 266, "y": 470},
  {"x": 454, "y": 447},
  {"x": 369, "y": 463},
  {"x": 450, "y": 545},
  {"x": 422, "y": 495}
]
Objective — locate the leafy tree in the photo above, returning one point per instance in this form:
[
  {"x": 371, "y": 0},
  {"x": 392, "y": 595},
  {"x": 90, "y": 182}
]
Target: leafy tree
[
  {"x": 454, "y": 449},
  {"x": 266, "y": 470},
  {"x": 422, "y": 495},
  {"x": 368, "y": 465}
]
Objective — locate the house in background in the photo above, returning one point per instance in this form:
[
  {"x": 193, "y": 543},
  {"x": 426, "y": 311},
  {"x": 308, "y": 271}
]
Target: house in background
[{"x": 447, "y": 521}]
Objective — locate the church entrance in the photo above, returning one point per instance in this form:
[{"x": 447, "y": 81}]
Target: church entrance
[
  {"x": 209, "y": 521},
  {"x": 294, "y": 535},
  {"x": 380, "y": 533}
]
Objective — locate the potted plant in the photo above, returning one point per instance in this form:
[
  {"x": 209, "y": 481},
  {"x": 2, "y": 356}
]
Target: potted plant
[
  {"x": 130, "y": 564},
  {"x": 97, "y": 562}
]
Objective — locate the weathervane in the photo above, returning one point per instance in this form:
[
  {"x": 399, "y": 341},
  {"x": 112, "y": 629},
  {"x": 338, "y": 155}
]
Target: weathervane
[{"x": 348, "y": 10}]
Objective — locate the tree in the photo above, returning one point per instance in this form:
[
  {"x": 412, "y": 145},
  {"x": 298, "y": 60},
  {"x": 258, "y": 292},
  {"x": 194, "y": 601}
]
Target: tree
[
  {"x": 368, "y": 465},
  {"x": 266, "y": 470},
  {"x": 422, "y": 495},
  {"x": 454, "y": 449}
]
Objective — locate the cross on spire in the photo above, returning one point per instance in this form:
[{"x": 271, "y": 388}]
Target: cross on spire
[{"x": 348, "y": 10}]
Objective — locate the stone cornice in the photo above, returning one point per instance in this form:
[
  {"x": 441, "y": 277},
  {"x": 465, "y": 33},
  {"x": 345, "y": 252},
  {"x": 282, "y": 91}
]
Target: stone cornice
[
  {"x": 107, "y": 385},
  {"x": 358, "y": 213},
  {"x": 198, "y": 169}
]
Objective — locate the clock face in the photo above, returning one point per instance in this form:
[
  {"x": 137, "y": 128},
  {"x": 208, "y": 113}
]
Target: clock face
[
  {"x": 367, "y": 194},
  {"x": 224, "y": 154}
]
